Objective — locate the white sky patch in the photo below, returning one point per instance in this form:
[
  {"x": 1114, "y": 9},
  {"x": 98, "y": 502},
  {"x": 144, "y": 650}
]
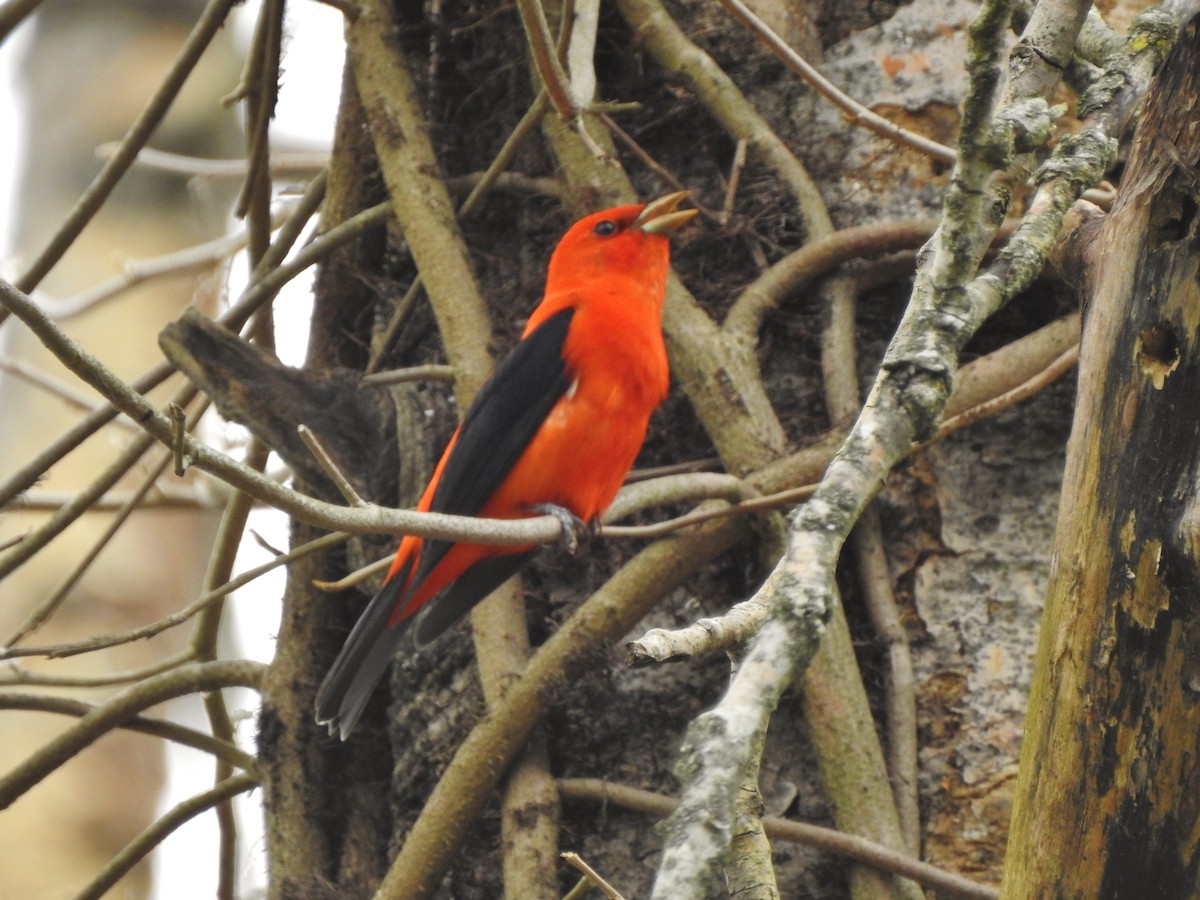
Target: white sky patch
[{"x": 11, "y": 146}]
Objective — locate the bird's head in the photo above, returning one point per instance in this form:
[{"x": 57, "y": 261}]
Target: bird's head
[{"x": 622, "y": 241}]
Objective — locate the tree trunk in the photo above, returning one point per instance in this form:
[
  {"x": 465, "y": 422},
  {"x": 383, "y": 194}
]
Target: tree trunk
[{"x": 1110, "y": 770}]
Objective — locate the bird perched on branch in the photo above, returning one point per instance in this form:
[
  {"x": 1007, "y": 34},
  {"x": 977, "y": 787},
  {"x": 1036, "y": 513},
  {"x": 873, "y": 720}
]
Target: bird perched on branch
[{"x": 555, "y": 429}]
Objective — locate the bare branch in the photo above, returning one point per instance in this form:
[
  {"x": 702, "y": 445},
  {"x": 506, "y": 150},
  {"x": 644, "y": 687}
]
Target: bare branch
[
  {"x": 12, "y": 559},
  {"x": 65, "y": 392},
  {"x": 46, "y": 608},
  {"x": 13, "y": 13},
  {"x": 592, "y": 876},
  {"x": 200, "y": 258},
  {"x": 186, "y": 679},
  {"x": 14, "y": 674},
  {"x": 143, "y": 844},
  {"x": 339, "y": 479},
  {"x": 847, "y": 845},
  {"x": 292, "y": 163},
  {"x": 431, "y": 372},
  {"x": 206, "y": 28},
  {"x": 855, "y": 111},
  {"x": 178, "y": 734},
  {"x": 545, "y": 56},
  {"x": 104, "y": 641}
]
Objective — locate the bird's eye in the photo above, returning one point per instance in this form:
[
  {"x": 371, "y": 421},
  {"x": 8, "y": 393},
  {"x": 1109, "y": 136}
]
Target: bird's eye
[{"x": 605, "y": 228}]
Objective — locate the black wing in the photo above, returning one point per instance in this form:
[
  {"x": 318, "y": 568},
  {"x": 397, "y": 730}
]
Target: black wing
[
  {"x": 505, "y": 416},
  {"x": 461, "y": 596},
  {"x": 503, "y": 419}
]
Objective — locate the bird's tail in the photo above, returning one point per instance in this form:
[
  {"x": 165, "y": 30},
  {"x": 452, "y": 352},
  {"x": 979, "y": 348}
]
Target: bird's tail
[{"x": 344, "y": 693}]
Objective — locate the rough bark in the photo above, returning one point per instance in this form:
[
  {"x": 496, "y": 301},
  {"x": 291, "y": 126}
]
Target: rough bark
[
  {"x": 1105, "y": 802},
  {"x": 747, "y": 388}
]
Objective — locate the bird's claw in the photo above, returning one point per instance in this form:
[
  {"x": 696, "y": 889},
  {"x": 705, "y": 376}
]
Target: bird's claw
[{"x": 574, "y": 529}]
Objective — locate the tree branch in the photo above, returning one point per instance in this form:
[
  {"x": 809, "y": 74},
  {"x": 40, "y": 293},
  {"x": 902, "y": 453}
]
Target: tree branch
[
  {"x": 144, "y": 843},
  {"x": 178, "y": 734},
  {"x": 206, "y": 28},
  {"x": 847, "y": 845},
  {"x": 186, "y": 679},
  {"x": 904, "y": 405}
]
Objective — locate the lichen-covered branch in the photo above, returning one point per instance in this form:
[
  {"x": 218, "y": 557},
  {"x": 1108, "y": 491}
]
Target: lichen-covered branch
[
  {"x": 847, "y": 845},
  {"x": 981, "y": 388},
  {"x": 904, "y": 405}
]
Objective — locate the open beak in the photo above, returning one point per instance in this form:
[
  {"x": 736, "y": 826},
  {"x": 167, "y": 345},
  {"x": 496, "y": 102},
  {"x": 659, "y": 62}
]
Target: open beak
[{"x": 660, "y": 217}]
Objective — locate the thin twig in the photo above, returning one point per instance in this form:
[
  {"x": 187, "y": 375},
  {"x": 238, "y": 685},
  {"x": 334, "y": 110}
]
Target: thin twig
[
  {"x": 679, "y": 468},
  {"x": 65, "y": 392},
  {"x": 597, "y": 880},
  {"x": 178, "y": 734},
  {"x": 1061, "y": 365},
  {"x": 707, "y": 513},
  {"x": 80, "y": 503},
  {"x": 160, "y": 496},
  {"x": 47, "y": 607},
  {"x": 545, "y": 56},
  {"x": 430, "y": 372},
  {"x": 141, "y": 846},
  {"x": 735, "y": 178},
  {"x": 103, "y": 641},
  {"x": 855, "y": 111},
  {"x": 292, "y": 163},
  {"x": 860, "y": 849},
  {"x": 339, "y": 479},
  {"x": 817, "y": 257},
  {"x": 178, "y": 429},
  {"x": 900, "y": 694},
  {"x": 200, "y": 258},
  {"x": 383, "y": 345},
  {"x": 30, "y": 473},
  {"x": 358, "y": 576},
  {"x": 651, "y": 163},
  {"x": 12, "y": 673}
]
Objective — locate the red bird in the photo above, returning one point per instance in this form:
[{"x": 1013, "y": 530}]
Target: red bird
[{"x": 558, "y": 424}]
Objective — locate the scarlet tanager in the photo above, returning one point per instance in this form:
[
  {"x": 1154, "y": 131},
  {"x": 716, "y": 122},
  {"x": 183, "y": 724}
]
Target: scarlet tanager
[{"x": 558, "y": 425}]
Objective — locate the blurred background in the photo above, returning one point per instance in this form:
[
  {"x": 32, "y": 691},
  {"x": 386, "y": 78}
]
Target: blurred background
[{"x": 72, "y": 79}]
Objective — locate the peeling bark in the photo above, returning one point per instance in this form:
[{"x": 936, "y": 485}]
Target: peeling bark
[{"x": 1105, "y": 802}]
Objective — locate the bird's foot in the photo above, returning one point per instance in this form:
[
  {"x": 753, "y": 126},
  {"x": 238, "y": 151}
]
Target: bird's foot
[{"x": 574, "y": 529}]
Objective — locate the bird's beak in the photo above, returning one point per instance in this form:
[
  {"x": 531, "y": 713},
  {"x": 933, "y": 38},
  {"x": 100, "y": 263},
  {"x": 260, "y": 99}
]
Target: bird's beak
[{"x": 659, "y": 216}]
